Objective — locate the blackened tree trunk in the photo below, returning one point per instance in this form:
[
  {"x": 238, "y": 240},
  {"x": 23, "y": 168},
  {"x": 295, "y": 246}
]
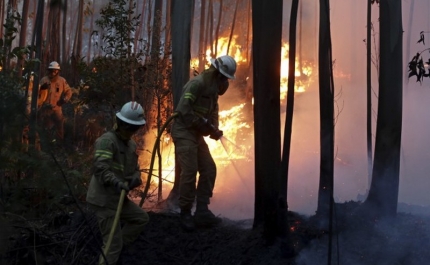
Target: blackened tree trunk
[
  {"x": 202, "y": 40},
  {"x": 286, "y": 247},
  {"x": 36, "y": 42},
  {"x": 23, "y": 34},
  {"x": 2, "y": 12},
  {"x": 326, "y": 89},
  {"x": 90, "y": 43},
  {"x": 267, "y": 32},
  {"x": 369, "y": 91},
  {"x": 181, "y": 15},
  {"x": 384, "y": 189},
  {"x": 53, "y": 36},
  {"x": 232, "y": 27},
  {"x": 77, "y": 44},
  {"x": 167, "y": 36},
  {"x": 218, "y": 28},
  {"x": 64, "y": 52}
]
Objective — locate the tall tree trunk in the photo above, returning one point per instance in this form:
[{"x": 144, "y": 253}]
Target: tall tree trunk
[
  {"x": 384, "y": 189},
  {"x": 369, "y": 92},
  {"x": 167, "y": 36},
  {"x": 267, "y": 32},
  {"x": 77, "y": 44},
  {"x": 217, "y": 28},
  {"x": 37, "y": 41},
  {"x": 210, "y": 24},
  {"x": 326, "y": 88},
  {"x": 53, "y": 36},
  {"x": 202, "y": 42},
  {"x": 181, "y": 14},
  {"x": 23, "y": 34},
  {"x": 248, "y": 34},
  {"x": 2, "y": 12},
  {"x": 409, "y": 31},
  {"x": 232, "y": 27},
  {"x": 64, "y": 55},
  {"x": 90, "y": 43},
  {"x": 286, "y": 247}
]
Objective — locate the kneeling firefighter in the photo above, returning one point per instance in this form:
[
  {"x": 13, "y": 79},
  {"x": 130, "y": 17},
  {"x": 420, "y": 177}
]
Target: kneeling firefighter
[
  {"x": 115, "y": 168},
  {"x": 197, "y": 116}
]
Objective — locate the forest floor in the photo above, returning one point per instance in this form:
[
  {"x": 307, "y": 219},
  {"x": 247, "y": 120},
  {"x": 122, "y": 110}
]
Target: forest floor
[{"x": 356, "y": 241}]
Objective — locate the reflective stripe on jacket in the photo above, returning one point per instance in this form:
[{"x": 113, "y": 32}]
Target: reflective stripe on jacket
[
  {"x": 199, "y": 100},
  {"x": 113, "y": 158}
]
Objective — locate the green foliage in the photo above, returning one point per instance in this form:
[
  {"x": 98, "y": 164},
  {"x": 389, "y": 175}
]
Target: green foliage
[
  {"x": 9, "y": 35},
  {"x": 110, "y": 79},
  {"x": 118, "y": 27}
]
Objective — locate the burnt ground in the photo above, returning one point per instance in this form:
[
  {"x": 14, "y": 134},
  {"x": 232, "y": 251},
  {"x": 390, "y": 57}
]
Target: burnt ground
[{"x": 356, "y": 240}]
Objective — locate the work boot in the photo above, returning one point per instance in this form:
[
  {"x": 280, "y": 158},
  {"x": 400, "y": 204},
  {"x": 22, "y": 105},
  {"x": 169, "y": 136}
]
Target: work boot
[
  {"x": 205, "y": 218},
  {"x": 187, "y": 221}
]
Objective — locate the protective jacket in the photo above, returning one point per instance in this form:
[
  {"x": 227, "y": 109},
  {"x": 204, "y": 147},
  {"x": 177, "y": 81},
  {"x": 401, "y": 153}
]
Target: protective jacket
[
  {"x": 199, "y": 100},
  {"x": 58, "y": 90},
  {"x": 113, "y": 158}
]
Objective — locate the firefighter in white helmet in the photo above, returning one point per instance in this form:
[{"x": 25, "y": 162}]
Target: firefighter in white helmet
[
  {"x": 116, "y": 168},
  {"x": 197, "y": 116},
  {"x": 54, "y": 91}
]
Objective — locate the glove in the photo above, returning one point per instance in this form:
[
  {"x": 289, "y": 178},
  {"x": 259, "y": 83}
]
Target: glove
[
  {"x": 205, "y": 128},
  {"x": 119, "y": 185},
  {"x": 45, "y": 86},
  {"x": 60, "y": 102},
  {"x": 135, "y": 182},
  {"x": 216, "y": 135}
]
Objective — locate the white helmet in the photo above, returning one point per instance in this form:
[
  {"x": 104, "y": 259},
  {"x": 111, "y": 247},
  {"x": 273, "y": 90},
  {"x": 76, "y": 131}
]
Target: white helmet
[
  {"x": 132, "y": 113},
  {"x": 226, "y": 65},
  {"x": 54, "y": 65}
]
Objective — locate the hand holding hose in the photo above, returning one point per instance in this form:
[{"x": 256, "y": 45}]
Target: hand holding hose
[{"x": 216, "y": 135}]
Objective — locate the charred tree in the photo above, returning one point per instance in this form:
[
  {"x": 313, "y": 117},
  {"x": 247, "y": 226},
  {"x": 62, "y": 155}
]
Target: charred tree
[
  {"x": 181, "y": 15},
  {"x": 218, "y": 28},
  {"x": 202, "y": 42},
  {"x": 64, "y": 51},
  {"x": 23, "y": 34},
  {"x": 77, "y": 44},
  {"x": 369, "y": 91},
  {"x": 267, "y": 32},
  {"x": 384, "y": 189},
  {"x": 284, "y": 230},
  {"x": 326, "y": 99},
  {"x": 53, "y": 36},
  {"x": 232, "y": 27},
  {"x": 37, "y": 43}
]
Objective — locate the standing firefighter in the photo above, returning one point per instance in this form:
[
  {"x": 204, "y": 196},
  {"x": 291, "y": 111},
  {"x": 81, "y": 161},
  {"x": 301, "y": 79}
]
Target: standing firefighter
[
  {"x": 115, "y": 169},
  {"x": 197, "y": 112},
  {"x": 54, "y": 92}
]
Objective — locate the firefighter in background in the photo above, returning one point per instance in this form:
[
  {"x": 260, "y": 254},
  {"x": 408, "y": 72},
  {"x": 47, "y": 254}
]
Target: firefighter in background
[
  {"x": 116, "y": 168},
  {"x": 53, "y": 93},
  {"x": 197, "y": 116}
]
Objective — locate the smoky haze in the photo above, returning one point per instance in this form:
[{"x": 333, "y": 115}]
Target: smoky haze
[{"x": 234, "y": 190}]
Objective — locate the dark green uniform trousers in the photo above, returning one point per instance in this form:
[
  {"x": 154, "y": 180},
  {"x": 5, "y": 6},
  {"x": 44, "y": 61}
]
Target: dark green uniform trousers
[
  {"x": 134, "y": 219},
  {"x": 195, "y": 157}
]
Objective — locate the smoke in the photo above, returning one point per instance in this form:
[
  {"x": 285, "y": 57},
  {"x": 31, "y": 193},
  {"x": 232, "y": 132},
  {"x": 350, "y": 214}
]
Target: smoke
[
  {"x": 234, "y": 190},
  {"x": 348, "y": 27}
]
